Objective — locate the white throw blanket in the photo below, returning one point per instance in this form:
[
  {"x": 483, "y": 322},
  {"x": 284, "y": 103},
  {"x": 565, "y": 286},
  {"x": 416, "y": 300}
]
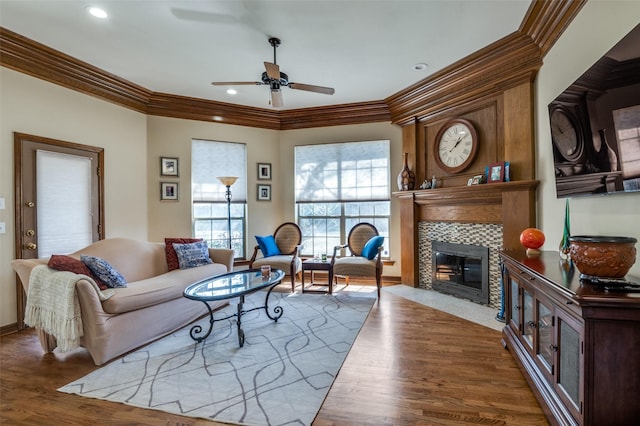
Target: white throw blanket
[{"x": 53, "y": 306}]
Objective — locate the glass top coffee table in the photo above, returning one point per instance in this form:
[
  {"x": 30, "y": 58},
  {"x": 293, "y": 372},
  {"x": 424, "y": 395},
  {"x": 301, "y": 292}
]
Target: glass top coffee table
[{"x": 228, "y": 286}]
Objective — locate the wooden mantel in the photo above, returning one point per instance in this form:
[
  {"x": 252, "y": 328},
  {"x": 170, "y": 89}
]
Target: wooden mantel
[{"x": 511, "y": 204}]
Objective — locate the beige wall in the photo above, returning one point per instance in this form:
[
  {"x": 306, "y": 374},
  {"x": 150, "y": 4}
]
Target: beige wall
[
  {"x": 171, "y": 137},
  {"x": 598, "y": 27},
  {"x": 33, "y": 106}
]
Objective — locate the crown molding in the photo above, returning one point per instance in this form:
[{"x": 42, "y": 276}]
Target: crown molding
[
  {"x": 37, "y": 60},
  {"x": 545, "y": 21},
  {"x": 508, "y": 62}
]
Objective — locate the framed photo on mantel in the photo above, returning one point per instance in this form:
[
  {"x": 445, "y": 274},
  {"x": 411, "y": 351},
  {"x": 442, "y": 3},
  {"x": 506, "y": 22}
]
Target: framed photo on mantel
[{"x": 496, "y": 172}]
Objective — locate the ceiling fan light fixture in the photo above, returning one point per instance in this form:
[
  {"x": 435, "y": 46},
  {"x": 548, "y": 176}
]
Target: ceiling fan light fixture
[
  {"x": 97, "y": 12},
  {"x": 232, "y": 92}
]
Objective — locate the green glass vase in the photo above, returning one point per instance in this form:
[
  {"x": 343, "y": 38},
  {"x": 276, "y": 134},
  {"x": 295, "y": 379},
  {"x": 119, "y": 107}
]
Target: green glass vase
[{"x": 566, "y": 233}]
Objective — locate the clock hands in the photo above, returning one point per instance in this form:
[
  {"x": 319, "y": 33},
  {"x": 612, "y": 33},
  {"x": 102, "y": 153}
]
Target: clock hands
[{"x": 457, "y": 143}]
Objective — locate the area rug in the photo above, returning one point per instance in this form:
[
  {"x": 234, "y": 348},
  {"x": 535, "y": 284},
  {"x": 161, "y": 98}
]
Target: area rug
[{"x": 280, "y": 376}]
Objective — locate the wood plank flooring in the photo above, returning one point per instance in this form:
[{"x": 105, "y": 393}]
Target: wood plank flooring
[{"x": 410, "y": 365}]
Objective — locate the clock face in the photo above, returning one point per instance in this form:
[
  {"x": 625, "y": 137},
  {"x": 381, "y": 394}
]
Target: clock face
[
  {"x": 456, "y": 145},
  {"x": 565, "y": 134}
]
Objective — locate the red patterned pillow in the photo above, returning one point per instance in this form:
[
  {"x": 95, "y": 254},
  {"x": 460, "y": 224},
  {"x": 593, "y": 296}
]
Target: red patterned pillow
[
  {"x": 61, "y": 262},
  {"x": 172, "y": 257}
]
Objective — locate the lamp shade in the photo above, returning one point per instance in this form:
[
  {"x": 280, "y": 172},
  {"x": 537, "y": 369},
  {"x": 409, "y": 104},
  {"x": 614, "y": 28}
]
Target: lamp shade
[{"x": 227, "y": 180}]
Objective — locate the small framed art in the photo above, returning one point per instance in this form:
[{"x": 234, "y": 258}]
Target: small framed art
[
  {"x": 496, "y": 172},
  {"x": 168, "y": 191},
  {"x": 476, "y": 180},
  {"x": 168, "y": 166},
  {"x": 264, "y": 192},
  {"x": 264, "y": 171}
]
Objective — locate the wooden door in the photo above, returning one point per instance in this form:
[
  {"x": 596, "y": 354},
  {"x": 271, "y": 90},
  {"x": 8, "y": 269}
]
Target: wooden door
[{"x": 29, "y": 151}]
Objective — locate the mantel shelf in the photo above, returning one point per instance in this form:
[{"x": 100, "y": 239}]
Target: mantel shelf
[{"x": 474, "y": 194}]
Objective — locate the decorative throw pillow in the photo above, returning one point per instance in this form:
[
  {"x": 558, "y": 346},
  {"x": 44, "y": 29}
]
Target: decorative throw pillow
[
  {"x": 103, "y": 270},
  {"x": 61, "y": 262},
  {"x": 268, "y": 246},
  {"x": 370, "y": 249},
  {"x": 193, "y": 254},
  {"x": 172, "y": 257}
]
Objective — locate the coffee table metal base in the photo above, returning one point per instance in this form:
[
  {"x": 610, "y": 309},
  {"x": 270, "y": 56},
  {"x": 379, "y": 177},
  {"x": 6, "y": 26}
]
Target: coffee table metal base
[{"x": 197, "y": 329}]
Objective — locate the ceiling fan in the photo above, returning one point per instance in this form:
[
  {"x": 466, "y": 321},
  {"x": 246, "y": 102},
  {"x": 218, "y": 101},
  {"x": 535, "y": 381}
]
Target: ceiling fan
[{"x": 276, "y": 79}]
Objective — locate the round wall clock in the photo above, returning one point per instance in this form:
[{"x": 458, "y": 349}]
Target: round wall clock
[
  {"x": 456, "y": 145},
  {"x": 566, "y": 134}
]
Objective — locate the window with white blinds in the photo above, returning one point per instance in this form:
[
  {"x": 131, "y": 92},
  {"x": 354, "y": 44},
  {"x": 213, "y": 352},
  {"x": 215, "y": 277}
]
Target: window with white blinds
[
  {"x": 209, "y": 160},
  {"x": 337, "y": 186},
  {"x": 63, "y": 183},
  {"x": 342, "y": 172}
]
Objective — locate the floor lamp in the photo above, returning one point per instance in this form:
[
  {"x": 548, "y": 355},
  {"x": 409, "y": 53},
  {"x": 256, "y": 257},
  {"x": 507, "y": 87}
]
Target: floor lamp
[{"x": 228, "y": 181}]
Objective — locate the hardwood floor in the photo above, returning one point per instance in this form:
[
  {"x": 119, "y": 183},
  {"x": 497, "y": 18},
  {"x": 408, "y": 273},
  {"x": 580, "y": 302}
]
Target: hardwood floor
[{"x": 410, "y": 365}]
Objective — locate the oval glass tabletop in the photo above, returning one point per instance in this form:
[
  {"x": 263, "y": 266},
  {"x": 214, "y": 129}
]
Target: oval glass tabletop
[{"x": 231, "y": 285}]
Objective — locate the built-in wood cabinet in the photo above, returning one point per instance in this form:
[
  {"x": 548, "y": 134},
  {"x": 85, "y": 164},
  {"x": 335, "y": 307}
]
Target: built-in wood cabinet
[{"x": 577, "y": 344}]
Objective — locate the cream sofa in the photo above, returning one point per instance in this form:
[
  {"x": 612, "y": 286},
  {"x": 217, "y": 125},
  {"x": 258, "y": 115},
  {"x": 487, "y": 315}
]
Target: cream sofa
[{"x": 151, "y": 305}]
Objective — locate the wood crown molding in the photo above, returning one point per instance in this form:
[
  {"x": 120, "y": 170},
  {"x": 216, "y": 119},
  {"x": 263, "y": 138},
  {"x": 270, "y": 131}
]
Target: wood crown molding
[{"x": 508, "y": 62}]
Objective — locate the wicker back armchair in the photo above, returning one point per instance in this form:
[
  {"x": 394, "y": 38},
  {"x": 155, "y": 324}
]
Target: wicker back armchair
[
  {"x": 365, "y": 260},
  {"x": 288, "y": 237}
]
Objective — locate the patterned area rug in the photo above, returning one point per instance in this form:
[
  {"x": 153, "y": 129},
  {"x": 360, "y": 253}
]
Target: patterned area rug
[{"x": 280, "y": 376}]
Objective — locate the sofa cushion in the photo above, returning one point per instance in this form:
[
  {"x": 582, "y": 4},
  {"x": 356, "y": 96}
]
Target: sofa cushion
[
  {"x": 268, "y": 245},
  {"x": 370, "y": 249},
  {"x": 103, "y": 270},
  {"x": 61, "y": 262},
  {"x": 192, "y": 254},
  {"x": 172, "y": 257},
  {"x": 159, "y": 289}
]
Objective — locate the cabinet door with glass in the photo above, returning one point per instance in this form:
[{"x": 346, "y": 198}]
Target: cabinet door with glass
[
  {"x": 545, "y": 343},
  {"x": 570, "y": 362}
]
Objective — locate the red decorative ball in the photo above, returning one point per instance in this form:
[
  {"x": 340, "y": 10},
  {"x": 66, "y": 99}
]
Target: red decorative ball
[{"x": 532, "y": 238}]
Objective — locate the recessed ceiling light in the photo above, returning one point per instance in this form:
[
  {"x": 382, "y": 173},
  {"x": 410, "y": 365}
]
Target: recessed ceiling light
[
  {"x": 420, "y": 66},
  {"x": 97, "y": 12},
  {"x": 232, "y": 91}
]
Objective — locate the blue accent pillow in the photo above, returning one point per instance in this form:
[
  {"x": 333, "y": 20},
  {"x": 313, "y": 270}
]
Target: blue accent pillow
[
  {"x": 370, "y": 249},
  {"x": 103, "y": 270},
  {"x": 192, "y": 254},
  {"x": 268, "y": 246}
]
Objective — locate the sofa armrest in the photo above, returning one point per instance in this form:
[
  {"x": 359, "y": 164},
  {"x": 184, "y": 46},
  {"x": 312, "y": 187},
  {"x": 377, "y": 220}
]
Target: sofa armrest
[
  {"x": 23, "y": 268},
  {"x": 223, "y": 256}
]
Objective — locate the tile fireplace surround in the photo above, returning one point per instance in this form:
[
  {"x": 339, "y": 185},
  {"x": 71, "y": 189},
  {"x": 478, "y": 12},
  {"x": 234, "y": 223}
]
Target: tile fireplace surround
[
  {"x": 478, "y": 234},
  {"x": 489, "y": 215}
]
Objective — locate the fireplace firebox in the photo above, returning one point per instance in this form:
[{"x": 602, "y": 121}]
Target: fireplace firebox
[{"x": 461, "y": 270}]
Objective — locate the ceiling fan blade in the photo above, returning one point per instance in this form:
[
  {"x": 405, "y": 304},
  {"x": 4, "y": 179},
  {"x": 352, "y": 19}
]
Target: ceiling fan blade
[
  {"x": 237, "y": 83},
  {"x": 276, "y": 98},
  {"x": 273, "y": 70},
  {"x": 312, "y": 88}
]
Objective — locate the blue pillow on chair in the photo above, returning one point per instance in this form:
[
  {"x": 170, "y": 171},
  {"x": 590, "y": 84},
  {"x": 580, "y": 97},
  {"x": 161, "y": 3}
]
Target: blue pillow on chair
[
  {"x": 370, "y": 249},
  {"x": 268, "y": 246}
]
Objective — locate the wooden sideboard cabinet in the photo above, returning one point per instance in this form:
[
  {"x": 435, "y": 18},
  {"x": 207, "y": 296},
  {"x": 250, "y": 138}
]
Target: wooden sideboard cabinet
[{"x": 577, "y": 344}]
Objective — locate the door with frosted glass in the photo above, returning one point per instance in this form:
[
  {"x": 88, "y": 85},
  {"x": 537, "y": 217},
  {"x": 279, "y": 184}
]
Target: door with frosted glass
[{"x": 58, "y": 200}]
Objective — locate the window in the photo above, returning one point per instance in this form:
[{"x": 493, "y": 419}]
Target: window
[
  {"x": 337, "y": 186},
  {"x": 211, "y": 212}
]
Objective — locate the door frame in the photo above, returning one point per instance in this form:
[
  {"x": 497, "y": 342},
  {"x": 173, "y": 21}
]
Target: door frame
[{"x": 20, "y": 140}]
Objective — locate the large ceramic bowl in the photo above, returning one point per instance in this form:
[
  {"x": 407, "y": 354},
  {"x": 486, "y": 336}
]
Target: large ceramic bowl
[{"x": 604, "y": 257}]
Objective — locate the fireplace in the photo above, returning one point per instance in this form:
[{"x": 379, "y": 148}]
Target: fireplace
[{"x": 461, "y": 270}]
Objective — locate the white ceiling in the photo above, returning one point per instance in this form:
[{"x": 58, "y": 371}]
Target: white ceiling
[{"x": 365, "y": 49}]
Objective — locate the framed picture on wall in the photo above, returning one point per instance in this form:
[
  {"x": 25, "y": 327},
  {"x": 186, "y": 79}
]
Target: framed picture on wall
[
  {"x": 264, "y": 171},
  {"x": 168, "y": 191},
  {"x": 168, "y": 166},
  {"x": 264, "y": 192}
]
